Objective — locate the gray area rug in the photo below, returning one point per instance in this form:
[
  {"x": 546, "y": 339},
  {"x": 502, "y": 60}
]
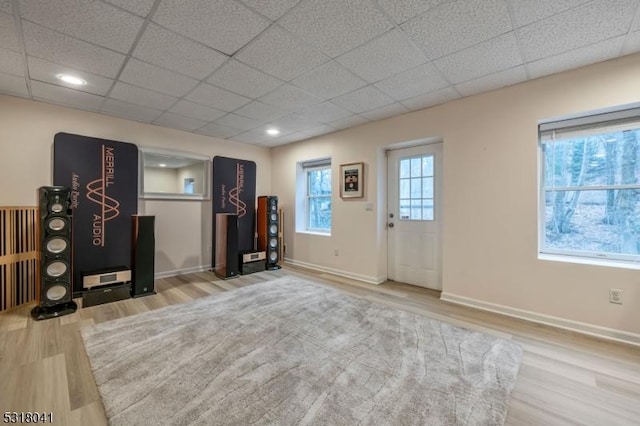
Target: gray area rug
[{"x": 290, "y": 352}]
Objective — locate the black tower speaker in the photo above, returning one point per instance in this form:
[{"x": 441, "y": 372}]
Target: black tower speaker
[
  {"x": 143, "y": 256},
  {"x": 54, "y": 287},
  {"x": 226, "y": 251},
  {"x": 268, "y": 228}
]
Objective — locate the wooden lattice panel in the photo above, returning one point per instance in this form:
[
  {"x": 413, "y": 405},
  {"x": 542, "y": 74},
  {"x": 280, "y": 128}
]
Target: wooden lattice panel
[{"x": 19, "y": 256}]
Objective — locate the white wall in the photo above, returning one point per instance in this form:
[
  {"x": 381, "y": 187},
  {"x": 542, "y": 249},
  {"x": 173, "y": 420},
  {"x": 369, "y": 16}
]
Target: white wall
[
  {"x": 183, "y": 228},
  {"x": 194, "y": 171},
  {"x": 158, "y": 179},
  {"x": 490, "y": 198}
]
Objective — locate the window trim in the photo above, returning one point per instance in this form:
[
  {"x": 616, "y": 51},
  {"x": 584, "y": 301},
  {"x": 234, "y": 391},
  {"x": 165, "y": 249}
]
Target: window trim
[{"x": 302, "y": 209}]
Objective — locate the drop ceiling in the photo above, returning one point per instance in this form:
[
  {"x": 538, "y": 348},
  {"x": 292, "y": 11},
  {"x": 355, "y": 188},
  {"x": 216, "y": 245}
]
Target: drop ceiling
[{"x": 233, "y": 69}]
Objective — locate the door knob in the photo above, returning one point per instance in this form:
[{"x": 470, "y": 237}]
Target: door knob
[{"x": 391, "y": 225}]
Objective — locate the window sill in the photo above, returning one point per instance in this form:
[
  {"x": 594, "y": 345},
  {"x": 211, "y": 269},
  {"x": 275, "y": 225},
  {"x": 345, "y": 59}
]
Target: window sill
[
  {"x": 590, "y": 261},
  {"x": 322, "y": 234}
]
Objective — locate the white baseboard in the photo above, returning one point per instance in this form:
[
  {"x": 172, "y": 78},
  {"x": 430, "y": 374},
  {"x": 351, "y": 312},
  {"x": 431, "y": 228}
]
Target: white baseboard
[
  {"x": 183, "y": 271},
  {"x": 359, "y": 277},
  {"x": 580, "y": 327}
]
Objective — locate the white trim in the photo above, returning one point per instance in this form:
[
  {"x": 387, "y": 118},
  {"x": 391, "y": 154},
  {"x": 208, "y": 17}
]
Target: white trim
[
  {"x": 183, "y": 271},
  {"x": 566, "y": 324},
  {"x": 596, "y": 261},
  {"x": 364, "y": 278}
]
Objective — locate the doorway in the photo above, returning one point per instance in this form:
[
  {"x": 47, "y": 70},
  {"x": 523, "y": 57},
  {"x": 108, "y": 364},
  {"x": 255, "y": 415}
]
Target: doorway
[{"x": 414, "y": 215}]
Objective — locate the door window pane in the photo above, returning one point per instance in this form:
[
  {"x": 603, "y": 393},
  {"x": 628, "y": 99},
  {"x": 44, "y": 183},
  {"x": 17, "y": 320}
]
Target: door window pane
[{"x": 416, "y": 188}]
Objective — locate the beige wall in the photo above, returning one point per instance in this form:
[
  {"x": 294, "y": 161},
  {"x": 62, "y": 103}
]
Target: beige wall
[
  {"x": 490, "y": 198},
  {"x": 183, "y": 229},
  {"x": 157, "y": 179}
]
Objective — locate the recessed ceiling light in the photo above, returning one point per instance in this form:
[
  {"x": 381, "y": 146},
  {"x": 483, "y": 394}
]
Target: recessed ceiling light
[
  {"x": 162, "y": 165},
  {"x": 71, "y": 79},
  {"x": 273, "y": 132}
]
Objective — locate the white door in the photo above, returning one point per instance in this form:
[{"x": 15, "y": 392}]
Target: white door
[{"x": 415, "y": 215}]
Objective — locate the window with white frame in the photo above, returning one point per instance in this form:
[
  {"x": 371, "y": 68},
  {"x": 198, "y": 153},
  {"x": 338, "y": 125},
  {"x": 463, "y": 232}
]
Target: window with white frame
[
  {"x": 590, "y": 190},
  {"x": 314, "y": 196}
]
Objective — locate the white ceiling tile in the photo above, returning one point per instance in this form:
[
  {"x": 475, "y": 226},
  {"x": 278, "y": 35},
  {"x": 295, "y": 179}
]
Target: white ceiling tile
[
  {"x": 353, "y": 121},
  {"x": 13, "y": 85},
  {"x": 385, "y": 112},
  {"x": 526, "y": 11},
  {"x": 151, "y": 77},
  {"x": 324, "y": 113},
  {"x": 289, "y": 96},
  {"x": 576, "y": 58},
  {"x": 244, "y": 80},
  {"x": 64, "y": 96},
  {"x": 263, "y": 112},
  {"x": 59, "y": 48},
  {"x": 139, "y": 7},
  {"x": 364, "y": 99},
  {"x": 336, "y": 26},
  {"x": 263, "y": 131},
  {"x": 215, "y": 97},
  {"x": 272, "y": 9},
  {"x": 225, "y": 25},
  {"x": 11, "y": 62},
  {"x": 217, "y": 131},
  {"x": 294, "y": 123},
  {"x": 46, "y": 71},
  {"x": 238, "y": 122},
  {"x": 430, "y": 99},
  {"x": 329, "y": 80},
  {"x": 485, "y": 58},
  {"x": 201, "y": 112},
  {"x": 250, "y": 137},
  {"x": 632, "y": 43},
  {"x": 8, "y": 33},
  {"x": 172, "y": 51},
  {"x": 278, "y": 53},
  {"x": 315, "y": 131},
  {"x": 493, "y": 81},
  {"x": 403, "y": 10},
  {"x": 130, "y": 111},
  {"x": 457, "y": 24},
  {"x": 383, "y": 57},
  {"x": 89, "y": 20},
  {"x": 584, "y": 25},
  {"x": 179, "y": 122},
  {"x": 5, "y": 6},
  {"x": 421, "y": 79},
  {"x": 140, "y": 96}
]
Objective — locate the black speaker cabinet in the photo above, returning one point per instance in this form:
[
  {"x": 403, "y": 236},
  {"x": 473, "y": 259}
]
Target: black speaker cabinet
[
  {"x": 226, "y": 250},
  {"x": 268, "y": 227},
  {"x": 54, "y": 286},
  {"x": 143, "y": 256}
]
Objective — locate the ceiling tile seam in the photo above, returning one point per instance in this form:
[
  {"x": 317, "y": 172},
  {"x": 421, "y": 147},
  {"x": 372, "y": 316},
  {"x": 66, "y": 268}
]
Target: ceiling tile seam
[
  {"x": 635, "y": 19},
  {"x": 128, "y": 56},
  {"x": 518, "y": 42},
  {"x": 15, "y": 8},
  {"x": 262, "y": 123},
  {"x": 353, "y": 74}
]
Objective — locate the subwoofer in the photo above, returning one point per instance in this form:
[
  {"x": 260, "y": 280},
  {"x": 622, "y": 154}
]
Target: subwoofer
[
  {"x": 225, "y": 261},
  {"x": 143, "y": 256},
  {"x": 268, "y": 227},
  {"x": 54, "y": 286}
]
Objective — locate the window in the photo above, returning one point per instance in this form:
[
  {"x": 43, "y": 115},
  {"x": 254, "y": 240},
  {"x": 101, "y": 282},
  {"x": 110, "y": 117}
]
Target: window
[
  {"x": 314, "y": 196},
  {"x": 590, "y": 194},
  {"x": 416, "y": 188}
]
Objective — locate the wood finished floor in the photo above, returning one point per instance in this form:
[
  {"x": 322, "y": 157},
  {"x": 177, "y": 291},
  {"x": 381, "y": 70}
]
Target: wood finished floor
[{"x": 565, "y": 378}]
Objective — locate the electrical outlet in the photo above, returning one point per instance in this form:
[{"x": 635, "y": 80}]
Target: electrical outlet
[
  {"x": 336, "y": 252},
  {"x": 615, "y": 296}
]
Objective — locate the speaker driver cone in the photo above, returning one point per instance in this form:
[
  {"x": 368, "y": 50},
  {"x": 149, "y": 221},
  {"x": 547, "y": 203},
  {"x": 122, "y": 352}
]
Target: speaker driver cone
[
  {"x": 273, "y": 243},
  {"x": 57, "y": 268},
  {"x": 273, "y": 256},
  {"x": 273, "y": 229},
  {"x": 57, "y": 207},
  {"x": 56, "y": 245},
  {"x": 56, "y": 292},
  {"x": 56, "y": 224}
]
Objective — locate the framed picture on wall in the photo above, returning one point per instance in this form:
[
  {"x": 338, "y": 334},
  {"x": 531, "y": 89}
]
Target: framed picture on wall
[{"x": 352, "y": 180}]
